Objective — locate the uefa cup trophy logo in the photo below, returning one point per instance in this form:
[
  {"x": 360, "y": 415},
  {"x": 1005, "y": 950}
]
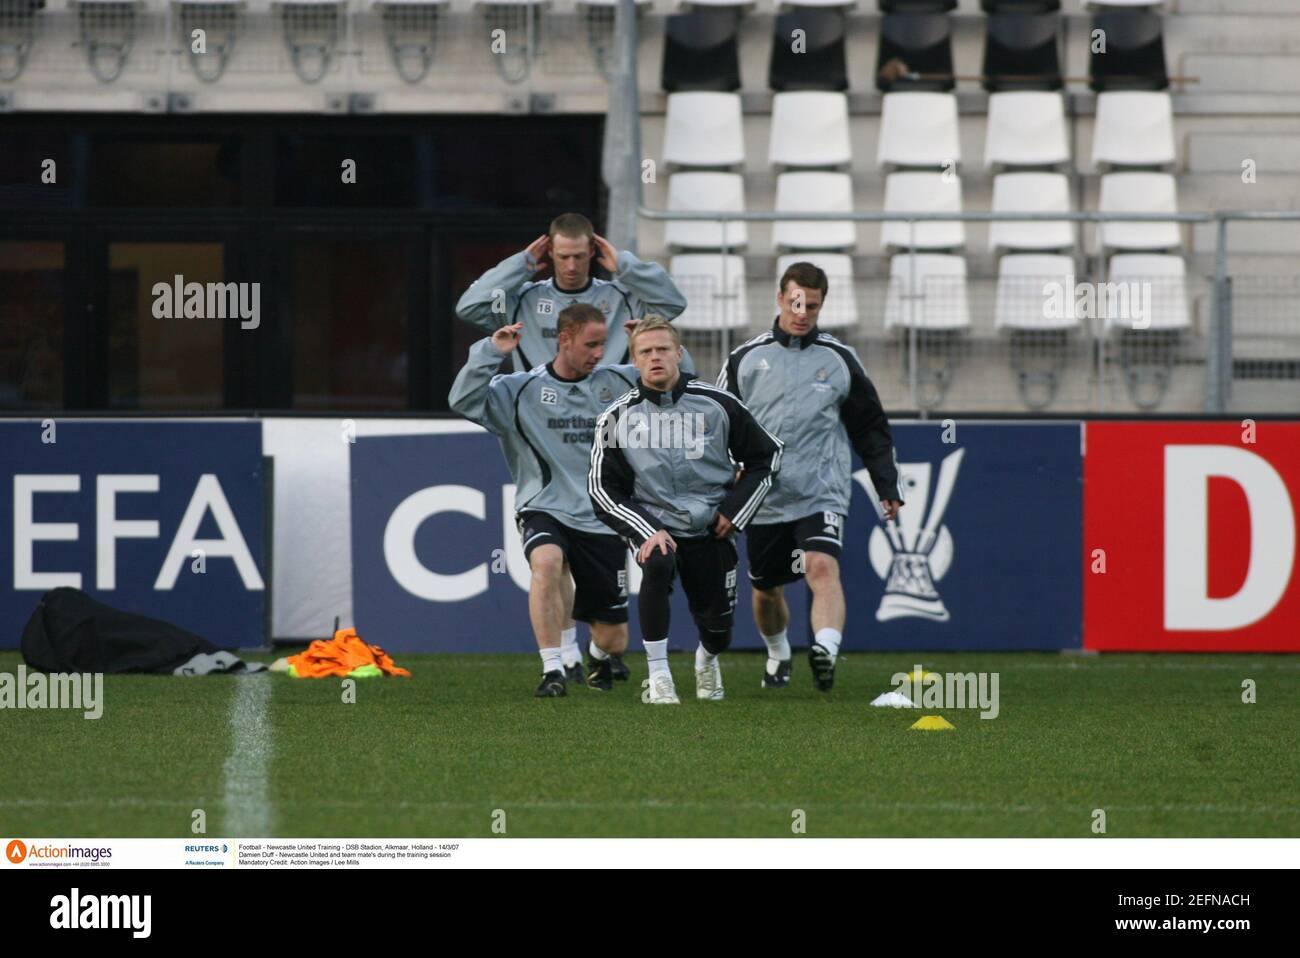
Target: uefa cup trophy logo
[{"x": 914, "y": 552}]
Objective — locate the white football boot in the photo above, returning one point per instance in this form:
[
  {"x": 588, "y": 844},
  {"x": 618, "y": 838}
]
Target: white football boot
[
  {"x": 660, "y": 690},
  {"x": 708, "y": 682}
]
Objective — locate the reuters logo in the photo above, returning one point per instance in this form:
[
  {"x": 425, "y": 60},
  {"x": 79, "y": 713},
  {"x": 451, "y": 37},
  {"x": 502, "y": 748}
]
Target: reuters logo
[{"x": 15, "y": 852}]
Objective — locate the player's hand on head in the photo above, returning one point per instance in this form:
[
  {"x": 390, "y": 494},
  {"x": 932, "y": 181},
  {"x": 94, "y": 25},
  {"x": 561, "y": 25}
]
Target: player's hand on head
[
  {"x": 507, "y": 337},
  {"x": 606, "y": 255},
  {"x": 539, "y": 249}
]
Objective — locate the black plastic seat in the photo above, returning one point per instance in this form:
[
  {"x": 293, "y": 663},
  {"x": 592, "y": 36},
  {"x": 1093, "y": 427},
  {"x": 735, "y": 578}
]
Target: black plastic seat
[
  {"x": 1020, "y": 6},
  {"x": 1022, "y": 52},
  {"x": 1135, "y": 52},
  {"x": 917, "y": 6},
  {"x": 700, "y": 51},
  {"x": 821, "y": 65},
  {"x": 921, "y": 42}
]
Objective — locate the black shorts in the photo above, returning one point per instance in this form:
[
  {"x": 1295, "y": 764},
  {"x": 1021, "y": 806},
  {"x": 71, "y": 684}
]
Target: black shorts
[
  {"x": 776, "y": 551},
  {"x": 707, "y": 569},
  {"x": 598, "y": 564}
]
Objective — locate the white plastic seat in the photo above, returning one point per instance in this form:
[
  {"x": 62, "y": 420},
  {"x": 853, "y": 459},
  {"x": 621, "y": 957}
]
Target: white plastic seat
[
  {"x": 918, "y": 129},
  {"x": 814, "y": 192},
  {"x": 703, "y": 129},
  {"x": 705, "y": 191},
  {"x": 1101, "y": 5},
  {"x": 916, "y": 192},
  {"x": 809, "y": 128},
  {"x": 714, "y": 287},
  {"x": 1031, "y": 193},
  {"x": 1166, "y": 275},
  {"x": 1139, "y": 193},
  {"x": 840, "y": 308},
  {"x": 940, "y": 292},
  {"x": 1133, "y": 128},
  {"x": 1026, "y": 128},
  {"x": 1024, "y": 295}
]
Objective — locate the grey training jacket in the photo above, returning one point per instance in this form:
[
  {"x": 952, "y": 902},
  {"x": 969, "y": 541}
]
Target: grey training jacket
[
  {"x": 813, "y": 393},
  {"x": 668, "y": 460},
  {"x": 545, "y": 425},
  {"x": 639, "y": 287}
]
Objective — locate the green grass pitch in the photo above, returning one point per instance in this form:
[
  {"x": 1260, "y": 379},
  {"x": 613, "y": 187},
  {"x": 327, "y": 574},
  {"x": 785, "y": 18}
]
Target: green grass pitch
[{"x": 1164, "y": 744}]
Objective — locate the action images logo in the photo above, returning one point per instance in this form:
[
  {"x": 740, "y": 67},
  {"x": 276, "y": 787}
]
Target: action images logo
[{"x": 914, "y": 552}]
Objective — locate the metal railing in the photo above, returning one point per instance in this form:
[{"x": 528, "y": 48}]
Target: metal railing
[{"x": 929, "y": 318}]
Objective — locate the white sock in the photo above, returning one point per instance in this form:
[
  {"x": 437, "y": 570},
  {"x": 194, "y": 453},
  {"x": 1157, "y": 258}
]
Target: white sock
[
  {"x": 656, "y": 656},
  {"x": 778, "y": 646},
  {"x": 551, "y": 661},
  {"x": 703, "y": 657},
  {"x": 597, "y": 653},
  {"x": 829, "y": 639},
  {"x": 569, "y": 646}
]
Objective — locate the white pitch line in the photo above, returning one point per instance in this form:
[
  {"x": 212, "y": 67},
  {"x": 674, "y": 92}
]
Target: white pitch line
[{"x": 247, "y": 770}]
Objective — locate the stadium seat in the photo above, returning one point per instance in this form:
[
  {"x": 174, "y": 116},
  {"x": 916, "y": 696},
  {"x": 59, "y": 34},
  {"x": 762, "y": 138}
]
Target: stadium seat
[
  {"x": 1020, "y": 6},
  {"x": 917, "y": 6},
  {"x": 1134, "y": 58},
  {"x": 940, "y": 292},
  {"x": 1167, "y": 275},
  {"x": 1022, "y": 52},
  {"x": 1133, "y": 128},
  {"x": 1139, "y": 193},
  {"x": 819, "y": 64},
  {"x": 1147, "y": 344},
  {"x": 915, "y": 53},
  {"x": 1031, "y": 193},
  {"x": 923, "y": 193},
  {"x": 809, "y": 129},
  {"x": 700, "y": 51},
  {"x": 1040, "y": 344},
  {"x": 703, "y": 129},
  {"x": 705, "y": 191},
  {"x": 918, "y": 130},
  {"x": 1026, "y": 128},
  {"x": 814, "y": 192},
  {"x": 714, "y": 287},
  {"x": 1103, "y": 4},
  {"x": 840, "y": 309},
  {"x": 1022, "y": 298}
]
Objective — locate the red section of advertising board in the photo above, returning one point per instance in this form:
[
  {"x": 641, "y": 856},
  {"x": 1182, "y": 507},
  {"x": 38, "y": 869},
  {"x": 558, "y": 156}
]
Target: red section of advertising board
[{"x": 1195, "y": 527}]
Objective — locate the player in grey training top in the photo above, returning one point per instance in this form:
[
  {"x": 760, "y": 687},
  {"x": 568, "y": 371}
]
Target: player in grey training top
[
  {"x": 664, "y": 474},
  {"x": 508, "y": 293},
  {"x": 545, "y": 419},
  {"x": 812, "y": 392}
]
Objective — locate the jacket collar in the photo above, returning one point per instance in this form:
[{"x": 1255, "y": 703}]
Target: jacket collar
[
  {"x": 656, "y": 396},
  {"x": 550, "y": 370},
  {"x": 784, "y": 338},
  {"x": 571, "y": 292}
]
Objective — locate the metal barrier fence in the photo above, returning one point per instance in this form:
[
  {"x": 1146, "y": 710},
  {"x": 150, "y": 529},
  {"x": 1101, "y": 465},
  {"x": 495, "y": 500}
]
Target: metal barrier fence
[
  {"x": 1139, "y": 337},
  {"x": 149, "y": 46}
]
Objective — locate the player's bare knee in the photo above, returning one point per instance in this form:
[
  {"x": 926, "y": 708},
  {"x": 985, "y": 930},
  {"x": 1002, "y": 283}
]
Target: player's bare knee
[
  {"x": 821, "y": 570},
  {"x": 546, "y": 563}
]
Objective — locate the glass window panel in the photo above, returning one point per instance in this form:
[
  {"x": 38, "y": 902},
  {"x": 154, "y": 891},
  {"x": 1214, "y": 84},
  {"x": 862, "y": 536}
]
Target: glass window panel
[
  {"x": 350, "y": 319},
  {"x": 167, "y": 363},
  {"x": 31, "y": 325},
  {"x": 168, "y": 173}
]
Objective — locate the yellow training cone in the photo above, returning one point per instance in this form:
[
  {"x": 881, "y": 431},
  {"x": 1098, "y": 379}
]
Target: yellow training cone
[{"x": 933, "y": 723}]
